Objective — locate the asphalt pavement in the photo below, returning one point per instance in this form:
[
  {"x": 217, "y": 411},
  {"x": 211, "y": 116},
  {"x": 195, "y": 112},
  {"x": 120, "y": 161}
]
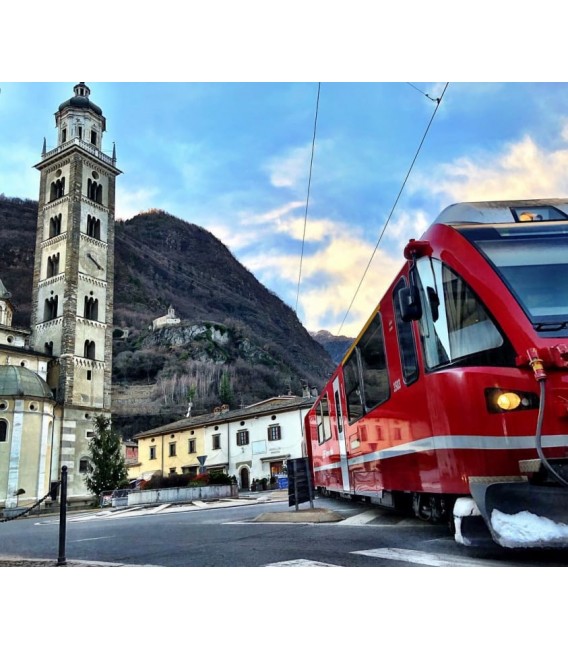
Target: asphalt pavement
[{"x": 303, "y": 514}]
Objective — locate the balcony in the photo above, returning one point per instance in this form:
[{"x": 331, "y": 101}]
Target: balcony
[{"x": 86, "y": 146}]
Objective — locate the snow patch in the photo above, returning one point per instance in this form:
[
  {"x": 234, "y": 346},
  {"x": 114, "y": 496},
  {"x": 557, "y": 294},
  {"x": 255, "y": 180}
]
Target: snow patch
[{"x": 525, "y": 529}]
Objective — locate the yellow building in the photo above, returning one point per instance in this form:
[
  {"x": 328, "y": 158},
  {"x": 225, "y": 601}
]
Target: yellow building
[{"x": 174, "y": 448}]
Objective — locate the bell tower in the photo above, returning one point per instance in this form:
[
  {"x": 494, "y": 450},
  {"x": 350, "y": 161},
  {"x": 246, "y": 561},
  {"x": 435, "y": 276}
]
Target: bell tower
[{"x": 72, "y": 305}]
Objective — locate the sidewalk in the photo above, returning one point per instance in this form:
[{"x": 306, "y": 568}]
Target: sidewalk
[{"x": 304, "y": 515}]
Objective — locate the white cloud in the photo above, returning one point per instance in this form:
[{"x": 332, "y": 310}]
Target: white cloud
[
  {"x": 521, "y": 170},
  {"x": 330, "y": 277},
  {"x": 290, "y": 169},
  {"x": 130, "y": 203}
]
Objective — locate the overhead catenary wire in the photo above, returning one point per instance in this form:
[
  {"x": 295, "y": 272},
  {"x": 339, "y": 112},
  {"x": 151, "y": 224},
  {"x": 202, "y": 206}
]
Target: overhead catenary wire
[
  {"x": 308, "y": 197},
  {"x": 438, "y": 102}
]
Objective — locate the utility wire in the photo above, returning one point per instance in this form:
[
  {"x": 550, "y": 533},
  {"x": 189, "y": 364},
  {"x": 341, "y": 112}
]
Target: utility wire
[
  {"x": 439, "y": 99},
  {"x": 438, "y": 102},
  {"x": 308, "y": 197}
]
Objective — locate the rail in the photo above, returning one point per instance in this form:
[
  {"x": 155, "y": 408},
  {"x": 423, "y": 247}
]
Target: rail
[{"x": 86, "y": 146}]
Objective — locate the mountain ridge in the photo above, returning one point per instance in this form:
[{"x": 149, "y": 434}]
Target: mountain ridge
[{"x": 247, "y": 332}]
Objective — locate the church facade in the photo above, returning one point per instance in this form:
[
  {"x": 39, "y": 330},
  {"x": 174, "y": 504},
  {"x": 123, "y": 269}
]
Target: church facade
[{"x": 72, "y": 308}]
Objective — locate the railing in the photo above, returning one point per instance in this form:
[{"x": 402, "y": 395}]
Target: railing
[{"x": 90, "y": 148}]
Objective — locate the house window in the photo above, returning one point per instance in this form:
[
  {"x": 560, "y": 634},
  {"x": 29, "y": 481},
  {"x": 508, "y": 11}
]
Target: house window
[
  {"x": 172, "y": 449},
  {"x": 274, "y": 432},
  {"x": 242, "y": 437},
  {"x": 84, "y": 465},
  {"x": 89, "y": 434},
  {"x": 216, "y": 442},
  {"x": 172, "y": 470},
  {"x": 191, "y": 448},
  {"x": 89, "y": 375},
  {"x": 3, "y": 430},
  {"x": 152, "y": 452}
]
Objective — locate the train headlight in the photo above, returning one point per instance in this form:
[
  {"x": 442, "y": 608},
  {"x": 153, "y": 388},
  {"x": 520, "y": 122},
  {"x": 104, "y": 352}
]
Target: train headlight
[
  {"x": 499, "y": 400},
  {"x": 508, "y": 400}
]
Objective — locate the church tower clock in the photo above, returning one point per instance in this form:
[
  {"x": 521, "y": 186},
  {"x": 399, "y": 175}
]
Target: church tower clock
[{"x": 72, "y": 306}]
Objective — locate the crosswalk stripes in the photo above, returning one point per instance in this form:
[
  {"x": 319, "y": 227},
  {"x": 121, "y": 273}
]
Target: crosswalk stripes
[
  {"x": 360, "y": 519},
  {"x": 415, "y": 557},
  {"x": 428, "y": 558}
]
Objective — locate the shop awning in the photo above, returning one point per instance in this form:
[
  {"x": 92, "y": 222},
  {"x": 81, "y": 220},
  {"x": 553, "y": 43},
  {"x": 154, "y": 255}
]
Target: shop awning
[{"x": 275, "y": 458}]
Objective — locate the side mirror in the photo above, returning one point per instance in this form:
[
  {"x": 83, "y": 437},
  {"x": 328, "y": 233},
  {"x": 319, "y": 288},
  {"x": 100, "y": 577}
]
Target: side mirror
[{"x": 409, "y": 302}]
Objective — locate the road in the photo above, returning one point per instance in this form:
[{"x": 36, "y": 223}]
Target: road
[{"x": 231, "y": 536}]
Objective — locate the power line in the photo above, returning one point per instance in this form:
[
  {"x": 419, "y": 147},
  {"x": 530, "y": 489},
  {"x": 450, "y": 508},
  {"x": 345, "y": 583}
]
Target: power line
[
  {"x": 423, "y": 93},
  {"x": 438, "y": 102},
  {"x": 308, "y": 198}
]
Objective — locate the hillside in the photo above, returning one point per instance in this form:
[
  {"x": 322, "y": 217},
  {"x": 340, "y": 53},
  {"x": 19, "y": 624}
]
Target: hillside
[{"x": 233, "y": 329}]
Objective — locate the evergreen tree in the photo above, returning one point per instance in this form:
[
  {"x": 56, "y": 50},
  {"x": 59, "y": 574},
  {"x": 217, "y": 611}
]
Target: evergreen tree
[
  {"x": 107, "y": 465},
  {"x": 226, "y": 390}
]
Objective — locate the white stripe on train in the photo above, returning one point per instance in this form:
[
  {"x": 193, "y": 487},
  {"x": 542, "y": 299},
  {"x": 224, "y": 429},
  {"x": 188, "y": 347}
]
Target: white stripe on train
[{"x": 453, "y": 442}]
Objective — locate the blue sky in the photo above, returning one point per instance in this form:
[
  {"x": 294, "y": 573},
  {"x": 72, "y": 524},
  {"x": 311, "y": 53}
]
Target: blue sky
[
  {"x": 235, "y": 159},
  {"x": 222, "y": 145}
]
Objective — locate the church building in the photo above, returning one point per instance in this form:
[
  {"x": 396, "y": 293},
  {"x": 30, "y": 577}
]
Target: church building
[{"x": 46, "y": 420}]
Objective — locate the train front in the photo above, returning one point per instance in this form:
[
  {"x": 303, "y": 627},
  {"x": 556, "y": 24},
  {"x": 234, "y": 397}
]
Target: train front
[{"x": 528, "y": 509}]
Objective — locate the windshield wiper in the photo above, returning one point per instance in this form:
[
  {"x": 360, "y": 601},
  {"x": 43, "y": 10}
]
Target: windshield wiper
[{"x": 550, "y": 326}]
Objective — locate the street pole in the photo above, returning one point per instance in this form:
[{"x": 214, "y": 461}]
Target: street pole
[{"x": 61, "y": 560}]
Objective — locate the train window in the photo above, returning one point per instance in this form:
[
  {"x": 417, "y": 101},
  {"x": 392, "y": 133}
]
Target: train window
[
  {"x": 365, "y": 372},
  {"x": 406, "y": 344},
  {"x": 454, "y": 324},
  {"x": 531, "y": 259},
  {"x": 324, "y": 429},
  {"x": 353, "y": 391}
]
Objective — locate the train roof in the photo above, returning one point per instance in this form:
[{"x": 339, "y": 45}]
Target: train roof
[{"x": 550, "y": 209}]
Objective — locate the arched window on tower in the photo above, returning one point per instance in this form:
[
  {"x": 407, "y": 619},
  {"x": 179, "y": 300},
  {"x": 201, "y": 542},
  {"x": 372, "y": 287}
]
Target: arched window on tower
[
  {"x": 50, "y": 308},
  {"x": 54, "y": 225},
  {"x": 57, "y": 189},
  {"x": 93, "y": 227},
  {"x": 53, "y": 265},
  {"x": 93, "y": 137},
  {"x": 89, "y": 349},
  {"x": 91, "y": 308},
  {"x": 94, "y": 191},
  {"x": 3, "y": 430},
  {"x": 49, "y": 348}
]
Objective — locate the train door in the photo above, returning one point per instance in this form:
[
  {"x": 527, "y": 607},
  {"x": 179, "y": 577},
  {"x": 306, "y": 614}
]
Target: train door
[{"x": 341, "y": 435}]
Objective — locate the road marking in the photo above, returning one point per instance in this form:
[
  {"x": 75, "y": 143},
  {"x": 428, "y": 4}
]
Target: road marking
[
  {"x": 428, "y": 559},
  {"x": 94, "y": 538},
  {"x": 300, "y": 563},
  {"x": 360, "y": 519}
]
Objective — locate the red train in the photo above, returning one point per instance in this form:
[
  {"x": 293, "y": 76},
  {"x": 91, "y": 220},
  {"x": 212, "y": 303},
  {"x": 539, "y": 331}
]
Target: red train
[{"x": 453, "y": 400}]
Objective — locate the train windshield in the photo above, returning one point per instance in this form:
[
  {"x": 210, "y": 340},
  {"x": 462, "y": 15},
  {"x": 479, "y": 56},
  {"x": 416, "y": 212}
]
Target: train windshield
[{"x": 532, "y": 259}]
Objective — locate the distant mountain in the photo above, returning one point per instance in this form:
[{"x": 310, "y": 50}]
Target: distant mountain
[
  {"x": 230, "y": 323},
  {"x": 336, "y": 346}
]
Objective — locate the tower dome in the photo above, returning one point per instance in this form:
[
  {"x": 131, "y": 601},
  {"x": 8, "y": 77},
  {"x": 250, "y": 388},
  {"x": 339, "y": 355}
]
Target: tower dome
[
  {"x": 16, "y": 381},
  {"x": 81, "y": 99}
]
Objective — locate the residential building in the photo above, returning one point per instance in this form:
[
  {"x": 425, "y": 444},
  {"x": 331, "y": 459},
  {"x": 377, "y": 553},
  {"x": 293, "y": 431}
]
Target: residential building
[{"x": 250, "y": 443}]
